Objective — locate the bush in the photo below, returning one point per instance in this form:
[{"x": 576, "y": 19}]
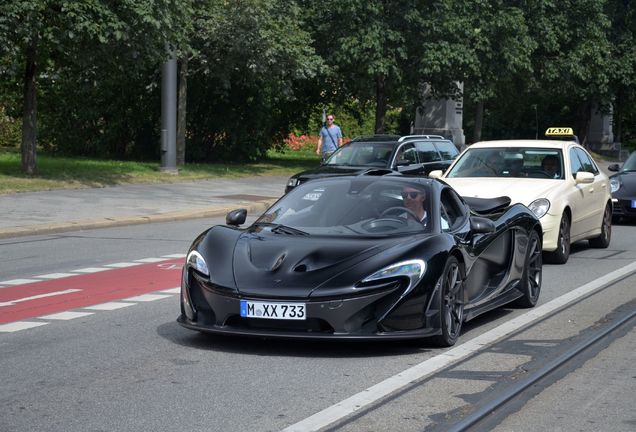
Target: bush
[{"x": 10, "y": 130}]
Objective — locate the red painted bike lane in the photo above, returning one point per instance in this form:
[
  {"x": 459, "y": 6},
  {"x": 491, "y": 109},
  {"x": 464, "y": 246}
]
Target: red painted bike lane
[{"x": 59, "y": 295}]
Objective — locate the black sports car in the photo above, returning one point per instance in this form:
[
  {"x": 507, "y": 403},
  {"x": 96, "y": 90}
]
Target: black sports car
[
  {"x": 623, "y": 187},
  {"x": 412, "y": 154},
  {"x": 368, "y": 256}
]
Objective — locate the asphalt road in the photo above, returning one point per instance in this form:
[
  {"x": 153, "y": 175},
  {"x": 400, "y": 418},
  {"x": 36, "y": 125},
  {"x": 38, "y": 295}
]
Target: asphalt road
[{"x": 135, "y": 369}]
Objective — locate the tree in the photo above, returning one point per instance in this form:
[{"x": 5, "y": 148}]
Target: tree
[{"x": 50, "y": 34}]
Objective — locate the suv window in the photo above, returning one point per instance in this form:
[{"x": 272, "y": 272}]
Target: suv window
[
  {"x": 447, "y": 149},
  {"x": 406, "y": 152},
  {"x": 427, "y": 152}
]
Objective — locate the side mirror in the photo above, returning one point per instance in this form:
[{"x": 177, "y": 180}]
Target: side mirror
[
  {"x": 614, "y": 167},
  {"x": 236, "y": 217},
  {"x": 436, "y": 174},
  {"x": 584, "y": 177},
  {"x": 481, "y": 225}
]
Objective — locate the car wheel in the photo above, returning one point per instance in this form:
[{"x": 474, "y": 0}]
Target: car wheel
[
  {"x": 530, "y": 284},
  {"x": 451, "y": 293},
  {"x": 603, "y": 240},
  {"x": 562, "y": 252}
]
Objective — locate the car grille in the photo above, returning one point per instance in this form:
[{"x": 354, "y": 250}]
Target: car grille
[
  {"x": 310, "y": 325},
  {"x": 624, "y": 208}
]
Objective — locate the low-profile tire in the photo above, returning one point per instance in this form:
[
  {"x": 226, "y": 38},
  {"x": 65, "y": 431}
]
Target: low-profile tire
[
  {"x": 530, "y": 284},
  {"x": 450, "y": 286},
  {"x": 562, "y": 252},
  {"x": 603, "y": 240}
]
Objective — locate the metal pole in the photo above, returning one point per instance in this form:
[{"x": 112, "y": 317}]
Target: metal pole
[{"x": 169, "y": 115}]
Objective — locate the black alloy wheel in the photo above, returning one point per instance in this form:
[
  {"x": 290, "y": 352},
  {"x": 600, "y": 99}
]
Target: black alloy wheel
[
  {"x": 562, "y": 252},
  {"x": 451, "y": 292},
  {"x": 530, "y": 284},
  {"x": 603, "y": 240}
]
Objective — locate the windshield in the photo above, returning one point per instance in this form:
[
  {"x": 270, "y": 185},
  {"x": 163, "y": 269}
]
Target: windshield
[
  {"x": 532, "y": 162},
  {"x": 373, "y": 154},
  {"x": 358, "y": 207},
  {"x": 630, "y": 163}
]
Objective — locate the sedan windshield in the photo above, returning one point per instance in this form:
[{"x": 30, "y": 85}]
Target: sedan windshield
[
  {"x": 372, "y": 154},
  {"x": 358, "y": 207},
  {"x": 532, "y": 162}
]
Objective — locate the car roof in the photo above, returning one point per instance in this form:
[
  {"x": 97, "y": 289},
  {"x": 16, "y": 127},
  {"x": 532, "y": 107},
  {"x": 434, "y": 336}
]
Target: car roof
[{"x": 523, "y": 143}]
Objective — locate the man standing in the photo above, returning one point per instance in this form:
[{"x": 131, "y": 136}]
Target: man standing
[{"x": 330, "y": 138}]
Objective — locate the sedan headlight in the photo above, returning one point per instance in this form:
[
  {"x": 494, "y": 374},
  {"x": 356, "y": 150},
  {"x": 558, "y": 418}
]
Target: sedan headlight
[
  {"x": 196, "y": 261},
  {"x": 293, "y": 182},
  {"x": 413, "y": 269},
  {"x": 615, "y": 184},
  {"x": 539, "y": 207}
]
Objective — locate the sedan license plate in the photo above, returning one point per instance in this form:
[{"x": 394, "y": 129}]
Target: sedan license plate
[{"x": 269, "y": 310}]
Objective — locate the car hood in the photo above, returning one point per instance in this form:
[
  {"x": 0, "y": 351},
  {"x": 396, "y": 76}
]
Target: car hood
[
  {"x": 520, "y": 190},
  {"x": 282, "y": 266}
]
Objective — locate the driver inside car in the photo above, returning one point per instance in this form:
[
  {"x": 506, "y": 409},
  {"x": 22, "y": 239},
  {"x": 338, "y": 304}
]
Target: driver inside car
[{"x": 414, "y": 201}]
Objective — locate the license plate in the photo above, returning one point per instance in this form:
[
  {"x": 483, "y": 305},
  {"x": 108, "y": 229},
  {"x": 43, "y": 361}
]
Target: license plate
[
  {"x": 633, "y": 203},
  {"x": 270, "y": 310}
]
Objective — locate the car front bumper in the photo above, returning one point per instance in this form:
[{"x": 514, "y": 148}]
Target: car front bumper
[{"x": 381, "y": 314}]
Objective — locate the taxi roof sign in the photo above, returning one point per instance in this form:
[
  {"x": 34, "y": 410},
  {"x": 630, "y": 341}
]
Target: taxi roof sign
[{"x": 562, "y": 133}]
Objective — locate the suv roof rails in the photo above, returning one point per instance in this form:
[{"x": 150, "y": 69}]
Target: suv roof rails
[
  {"x": 378, "y": 137},
  {"x": 405, "y": 137}
]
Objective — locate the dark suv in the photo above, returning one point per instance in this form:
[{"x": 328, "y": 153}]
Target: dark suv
[{"x": 411, "y": 154}]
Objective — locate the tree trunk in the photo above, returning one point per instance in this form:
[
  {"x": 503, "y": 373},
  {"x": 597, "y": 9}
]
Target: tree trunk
[
  {"x": 380, "y": 103},
  {"x": 181, "y": 111},
  {"x": 29, "y": 118},
  {"x": 617, "y": 115},
  {"x": 479, "y": 121},
  {"x": 584, "y": 117}
]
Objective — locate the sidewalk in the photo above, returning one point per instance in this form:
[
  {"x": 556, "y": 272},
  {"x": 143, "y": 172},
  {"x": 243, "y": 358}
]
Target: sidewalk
[{"x": 69, "y": 210}]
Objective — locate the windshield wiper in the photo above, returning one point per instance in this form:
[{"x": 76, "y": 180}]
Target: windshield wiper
[{"x": 282, "y": 229}]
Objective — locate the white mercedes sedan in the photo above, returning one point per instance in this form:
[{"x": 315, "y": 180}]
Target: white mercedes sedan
[{"x": 558, "y": 180}]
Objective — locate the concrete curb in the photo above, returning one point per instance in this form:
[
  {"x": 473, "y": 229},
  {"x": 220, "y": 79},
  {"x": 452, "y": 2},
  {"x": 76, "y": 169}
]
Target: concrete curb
[{"x": 53, "y": 228}]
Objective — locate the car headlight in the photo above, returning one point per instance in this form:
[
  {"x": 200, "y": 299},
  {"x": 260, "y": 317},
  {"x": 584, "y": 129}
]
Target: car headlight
[
  {"x": 196, "y": 261},
  {"x": 615, "y": 184},
  {"x": 539, "y": 207},
  {"x": 413, "y": 269},
  {"x": 293, "y": 182}
]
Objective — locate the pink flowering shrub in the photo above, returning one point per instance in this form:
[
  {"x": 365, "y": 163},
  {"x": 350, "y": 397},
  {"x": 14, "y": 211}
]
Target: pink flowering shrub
[{"x": 304, "y": 142}]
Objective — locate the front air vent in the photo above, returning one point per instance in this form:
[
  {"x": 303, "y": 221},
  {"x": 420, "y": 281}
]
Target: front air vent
[{"x": 302, "y": 268}]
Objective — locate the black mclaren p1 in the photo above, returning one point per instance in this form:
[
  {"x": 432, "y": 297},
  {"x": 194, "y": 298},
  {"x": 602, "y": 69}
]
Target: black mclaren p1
[{"x": 352, "y": 258}]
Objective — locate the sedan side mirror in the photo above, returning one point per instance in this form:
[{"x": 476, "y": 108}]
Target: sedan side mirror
[
  {"x": 584, "y": 177},
  {"x": 614, "y": 167},
  {"x": 236, "y": 217}
]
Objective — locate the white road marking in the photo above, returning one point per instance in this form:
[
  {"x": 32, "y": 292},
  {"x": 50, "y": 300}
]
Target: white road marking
[
  {"x": 123, "y": 264},
  {"x": 151, "y": 260},
  {"x": 19, "y": 325},
  {"x": 39, "y": 296},
  {"x": 146, "y": 298},
  {"x": 176, "y": 290},
  {"x": 428, "y": 367},
  {"x": 108, "y": 306},
  {"x": 55, "y": 275},
  {"x": 174, "y": 256},
  {"x": 90, "y": 270},
  {"x": 19, "y": 281},
  {"x": 69, "y": 315}
]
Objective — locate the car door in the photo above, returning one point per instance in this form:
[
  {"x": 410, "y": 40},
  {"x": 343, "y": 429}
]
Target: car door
[
  {"x": 580, "y": 197},
  {"x": 596, "y": 192}
]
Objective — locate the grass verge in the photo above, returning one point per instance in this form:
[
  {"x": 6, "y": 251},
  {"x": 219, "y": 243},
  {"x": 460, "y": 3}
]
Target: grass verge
[{"x": 74, "y": 173}]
